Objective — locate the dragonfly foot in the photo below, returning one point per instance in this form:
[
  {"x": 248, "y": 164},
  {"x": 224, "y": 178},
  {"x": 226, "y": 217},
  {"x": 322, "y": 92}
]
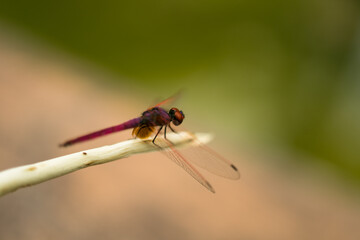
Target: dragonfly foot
[{"x": 172, "y": 129}]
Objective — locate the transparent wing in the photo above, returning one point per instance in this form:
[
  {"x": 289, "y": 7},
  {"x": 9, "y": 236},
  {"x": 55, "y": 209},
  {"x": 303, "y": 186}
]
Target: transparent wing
[
  {"x": 168, "y": 149},
  {"x": 213, "y": 162},
  {"x": 168, "y": 101},
  {"x": 210, "y": 160}
]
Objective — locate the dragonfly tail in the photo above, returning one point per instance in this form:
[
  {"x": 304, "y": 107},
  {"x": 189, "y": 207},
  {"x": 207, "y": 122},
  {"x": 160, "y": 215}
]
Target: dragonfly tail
[{"x": 126, "y": 125}]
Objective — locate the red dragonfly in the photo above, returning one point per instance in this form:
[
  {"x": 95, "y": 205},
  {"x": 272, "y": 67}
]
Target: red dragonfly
[{"x": 157, "y": 118}]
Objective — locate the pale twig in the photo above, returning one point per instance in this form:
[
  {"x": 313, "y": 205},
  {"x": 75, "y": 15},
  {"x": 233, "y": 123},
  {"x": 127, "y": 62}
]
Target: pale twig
[{"x": 23, "y": 176}]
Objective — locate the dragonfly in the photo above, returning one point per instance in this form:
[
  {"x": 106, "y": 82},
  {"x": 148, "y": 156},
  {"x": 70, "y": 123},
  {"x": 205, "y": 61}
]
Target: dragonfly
[{"x": 151, "y": 122}]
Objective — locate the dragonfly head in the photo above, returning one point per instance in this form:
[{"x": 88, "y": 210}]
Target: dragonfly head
[{"x": 177, "y": 116}]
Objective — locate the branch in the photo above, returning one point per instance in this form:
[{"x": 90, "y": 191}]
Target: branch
[{"x": 23, "y": 176}]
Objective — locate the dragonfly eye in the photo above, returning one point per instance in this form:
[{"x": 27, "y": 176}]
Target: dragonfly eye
[
  {"x": 178, "y": 117},
  {"x": 182, "y": 114},
  {"x": 172, "y": 112}
]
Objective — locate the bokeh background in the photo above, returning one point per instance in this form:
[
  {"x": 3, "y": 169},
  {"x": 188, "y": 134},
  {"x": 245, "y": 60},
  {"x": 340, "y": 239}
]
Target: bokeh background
[{"x": 278, "y": 82}]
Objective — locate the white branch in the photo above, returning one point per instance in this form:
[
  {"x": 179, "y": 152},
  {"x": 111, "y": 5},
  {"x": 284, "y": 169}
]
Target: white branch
[{"x": 23, "y": 176}]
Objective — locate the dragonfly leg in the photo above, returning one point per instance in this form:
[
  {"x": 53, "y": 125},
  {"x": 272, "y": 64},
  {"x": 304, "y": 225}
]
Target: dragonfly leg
[
  {"x": 153, "y": 141},
  {"x": 165, "y": 135},
  {"x": 172, "y": 129}
]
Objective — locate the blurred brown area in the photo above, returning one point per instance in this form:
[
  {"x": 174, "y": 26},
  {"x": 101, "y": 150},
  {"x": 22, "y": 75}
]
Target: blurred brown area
[{"x": 44, "y": 101}]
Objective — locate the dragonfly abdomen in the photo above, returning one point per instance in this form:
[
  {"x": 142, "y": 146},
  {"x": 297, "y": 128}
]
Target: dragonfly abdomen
[{"x": 126, "y": 125}]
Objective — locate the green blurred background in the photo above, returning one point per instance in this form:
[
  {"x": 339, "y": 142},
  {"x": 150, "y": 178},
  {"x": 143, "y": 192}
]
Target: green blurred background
[
  {"x": 276, "y": 74},
  {"x": 278, "y": 82}
]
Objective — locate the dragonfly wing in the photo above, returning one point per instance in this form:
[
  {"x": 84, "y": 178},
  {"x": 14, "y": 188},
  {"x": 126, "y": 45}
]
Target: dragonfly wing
[
  {"x": 168, "y": 101},
  {"x": 170, "y": 152},
  {"x": 208, "y": 159}
]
